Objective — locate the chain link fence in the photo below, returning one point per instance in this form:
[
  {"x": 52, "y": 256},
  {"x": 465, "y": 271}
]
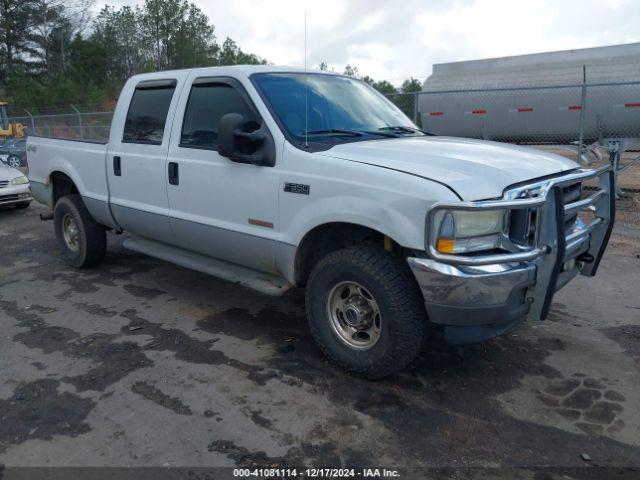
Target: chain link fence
[
  {"x": 564, "y": 115},
  {"x": 533, "y": 115},
  {"x": 578, "y": 121},
  {"x": 72, "y": 122}
]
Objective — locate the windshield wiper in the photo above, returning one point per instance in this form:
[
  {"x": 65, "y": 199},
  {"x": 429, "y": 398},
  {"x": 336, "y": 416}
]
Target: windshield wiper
[
  {"x": 354, "y": 133},
  {"x": 335, "y": 131},
  {"x": 403, "y": 129},
  {"x": 383, "y": 134}
]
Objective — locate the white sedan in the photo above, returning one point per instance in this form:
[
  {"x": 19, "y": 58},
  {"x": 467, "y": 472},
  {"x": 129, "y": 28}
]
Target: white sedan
[{"x": 14, "y": 188}]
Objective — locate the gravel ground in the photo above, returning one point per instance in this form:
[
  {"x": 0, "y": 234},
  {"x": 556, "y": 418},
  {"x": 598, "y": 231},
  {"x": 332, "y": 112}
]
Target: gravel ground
[{"x": 142, "y": 363}]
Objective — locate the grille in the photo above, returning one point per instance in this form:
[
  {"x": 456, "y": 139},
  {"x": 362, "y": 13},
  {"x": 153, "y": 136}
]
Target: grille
[
  {"x": 522, "y": 222},
  {"x": 4, "y": 183},
  {"x": 570, "y": 194},
  {"x": 522, "y": 226},
  {"x": 9, "y": 198},
  {"x": 14, "y": 197}
]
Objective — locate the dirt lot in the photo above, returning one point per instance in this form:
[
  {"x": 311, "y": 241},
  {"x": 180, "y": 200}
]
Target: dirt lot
[{"x": 142, "y": 363}]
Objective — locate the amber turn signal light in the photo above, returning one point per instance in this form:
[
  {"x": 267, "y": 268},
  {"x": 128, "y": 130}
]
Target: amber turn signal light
[{"x": 445, "y": 245}]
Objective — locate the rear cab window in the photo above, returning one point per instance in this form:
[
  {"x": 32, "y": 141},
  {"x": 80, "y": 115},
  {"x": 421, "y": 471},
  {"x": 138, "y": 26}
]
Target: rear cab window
[{"x": 147, "y": 115}]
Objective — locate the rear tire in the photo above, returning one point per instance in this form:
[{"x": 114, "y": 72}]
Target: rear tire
[
  {"x": 83, "y": 240},
  {"x": 365, "y": 311},
  {"x": 22, "y": 205}
]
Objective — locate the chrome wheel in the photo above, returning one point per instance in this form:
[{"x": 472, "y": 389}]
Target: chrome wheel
[
  {"x": 354, "y": 315},
  {"x": 71, "y": 232},
  {"x": 14, "y": 161}
]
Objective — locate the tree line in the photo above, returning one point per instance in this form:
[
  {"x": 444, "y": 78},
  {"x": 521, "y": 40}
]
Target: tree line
[{"x": 56, "y": 53}]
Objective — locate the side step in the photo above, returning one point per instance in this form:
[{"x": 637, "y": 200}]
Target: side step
[{"x": 247, "y": 277}]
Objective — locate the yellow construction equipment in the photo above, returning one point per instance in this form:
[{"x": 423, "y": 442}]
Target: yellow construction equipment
[{"x": 14, "y": 130}]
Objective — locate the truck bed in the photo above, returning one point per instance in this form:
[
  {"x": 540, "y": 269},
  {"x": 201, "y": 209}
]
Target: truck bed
[{"x": 82, "y": 161}]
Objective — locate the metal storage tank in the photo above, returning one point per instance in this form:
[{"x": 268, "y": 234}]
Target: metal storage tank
[{"x": 493, "y": 98}]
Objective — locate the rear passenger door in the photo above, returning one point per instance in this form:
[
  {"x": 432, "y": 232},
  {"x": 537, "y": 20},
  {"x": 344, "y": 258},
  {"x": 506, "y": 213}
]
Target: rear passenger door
[{"x": 136, "y": 161}]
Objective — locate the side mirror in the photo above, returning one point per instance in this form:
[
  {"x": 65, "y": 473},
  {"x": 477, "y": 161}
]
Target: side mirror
[{"x": 240, "y": 144}]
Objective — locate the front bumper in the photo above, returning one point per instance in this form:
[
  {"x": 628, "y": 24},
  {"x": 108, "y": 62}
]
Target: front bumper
[
  {"x": 10, "y": 195},
  {"x": 474, "y": 303},
  {"x": 479, "y": 297}
]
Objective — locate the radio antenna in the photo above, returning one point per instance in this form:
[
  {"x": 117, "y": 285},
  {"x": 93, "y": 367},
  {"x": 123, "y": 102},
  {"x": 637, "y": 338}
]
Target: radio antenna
[{"x": 306, "y": 88}]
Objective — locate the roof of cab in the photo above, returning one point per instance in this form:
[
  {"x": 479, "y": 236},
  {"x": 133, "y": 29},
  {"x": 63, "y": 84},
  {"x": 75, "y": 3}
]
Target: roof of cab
[{"x": 244, "y": 69}]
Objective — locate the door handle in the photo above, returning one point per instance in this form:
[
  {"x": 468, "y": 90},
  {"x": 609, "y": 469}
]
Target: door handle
[
  {"x": 173, "y": 173},
  {"x": 117, "y": 167}
]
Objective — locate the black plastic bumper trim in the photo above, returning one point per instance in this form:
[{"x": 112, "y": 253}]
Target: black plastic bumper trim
[
  {"x": 560, "y": 252},
  {"x": 612, "y": 217}
]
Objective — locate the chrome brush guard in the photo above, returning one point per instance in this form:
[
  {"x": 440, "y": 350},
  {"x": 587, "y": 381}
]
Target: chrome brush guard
[{"x": 559, "y": 247}]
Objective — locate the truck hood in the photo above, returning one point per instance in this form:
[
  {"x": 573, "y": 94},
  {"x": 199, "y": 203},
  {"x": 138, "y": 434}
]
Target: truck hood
[{"x": 474, "y": 169}]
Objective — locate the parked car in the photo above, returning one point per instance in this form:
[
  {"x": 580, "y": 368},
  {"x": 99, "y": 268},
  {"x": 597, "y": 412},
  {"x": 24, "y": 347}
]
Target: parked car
[
  {"x": 14, "y": 188},
  {"x": 14, "y": 152},
  {"x": 273, "y": 178}
]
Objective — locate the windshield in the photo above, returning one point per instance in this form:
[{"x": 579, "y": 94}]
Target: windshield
[{"x": 339, "y": 109}]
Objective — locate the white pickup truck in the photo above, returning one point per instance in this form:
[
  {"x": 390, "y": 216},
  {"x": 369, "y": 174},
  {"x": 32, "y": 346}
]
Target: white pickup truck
[{"x": 273, "y": 178}]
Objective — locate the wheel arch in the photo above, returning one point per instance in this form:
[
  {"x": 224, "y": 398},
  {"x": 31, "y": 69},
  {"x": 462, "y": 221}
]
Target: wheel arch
[
  {"x": 331, "y": 236},
  {"x": 62, "y": 185}
]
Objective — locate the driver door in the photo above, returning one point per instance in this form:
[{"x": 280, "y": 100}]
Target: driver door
[{"x": 217, "y": 207}]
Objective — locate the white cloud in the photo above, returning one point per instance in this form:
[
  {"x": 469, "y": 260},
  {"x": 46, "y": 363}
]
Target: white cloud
[
  {"x": 395, "y": 40},
  {"x": 488, "y": 27},
  {"x": 372, "y": 21}
]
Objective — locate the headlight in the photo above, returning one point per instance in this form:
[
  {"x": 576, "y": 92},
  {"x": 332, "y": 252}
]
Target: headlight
[
  {"x": 463, "y": 231},
  {"x": 21, "y": 180}
]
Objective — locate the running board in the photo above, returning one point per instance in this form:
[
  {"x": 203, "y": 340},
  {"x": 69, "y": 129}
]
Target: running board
[{"x": 247, "y": 277}]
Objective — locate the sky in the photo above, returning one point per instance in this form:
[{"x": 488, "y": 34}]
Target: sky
[{"x": 394, "y": 40}]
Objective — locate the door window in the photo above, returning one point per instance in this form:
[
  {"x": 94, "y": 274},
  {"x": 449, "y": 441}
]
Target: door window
[
  {"x": 147, "y": 114},
  {"x": 207, "y": 104}
]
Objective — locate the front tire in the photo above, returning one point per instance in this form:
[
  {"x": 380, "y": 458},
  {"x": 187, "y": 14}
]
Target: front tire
[
  {"x": 22, "y": 205},
  {"x": 82, "y": 239},
  {"x": 365, "y": 311}
]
